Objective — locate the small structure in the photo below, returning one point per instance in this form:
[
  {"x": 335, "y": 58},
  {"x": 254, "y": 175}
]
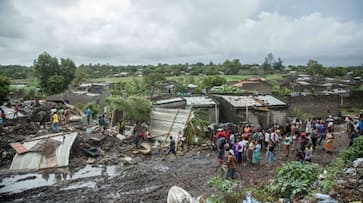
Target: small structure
[
  {"x": 260, "y": 110},
  {"x": 43, "y": 152},
  {"x": 258, "y": 85},
  {"x": 204, "y": 104}
]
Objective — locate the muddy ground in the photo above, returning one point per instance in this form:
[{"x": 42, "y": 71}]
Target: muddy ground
[{"x": 120, "y": 176}]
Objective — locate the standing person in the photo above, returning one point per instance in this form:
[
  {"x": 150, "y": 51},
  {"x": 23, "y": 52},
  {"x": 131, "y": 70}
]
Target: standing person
[
  {"x": 308, "y": 153},
  {"x": 88, "y": 115},
  {"x": 330, "y": 123},
  {"x": 220, "y": 136},
  {"x": 251, "y": 148},
  {"x": 287, "y": 143},
  {"x": 232, "y": 138},
  {"x": 352, "y": 136},
  {"x": 136, "y": 137},
  {"x": 321, "y": 131},
  {"x": 267, "y": 138},
  {"x": 314, "y": 137},
  {"x": 360, "y": 126},
  {"x": 102, "y": 123},
  {"x": 172, "y": 147},
  {"x": 16, "y": 110},
  {"x": 67, "y": 115},
  {"x": 242, "y": 148},
  {"x": 270, "y": 153},
  {"x": 3, "y": 117},
  {"x": 308, "y": 127},
  {"x": 328, "y": 145},
  {"x": 256, "y": 153},
  {"x": 55, "y": 121},
  {"x": 121, "y": 128},
  {"x": 231, "y": 164},
  {"x": 221, "y": 156},
  {"x": 1, "y": 124},
  {"x": 235, "y": 148}
]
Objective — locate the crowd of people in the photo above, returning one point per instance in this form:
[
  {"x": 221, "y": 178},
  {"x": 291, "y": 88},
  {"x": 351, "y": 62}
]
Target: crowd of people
[{"x": 298, "y": 139}]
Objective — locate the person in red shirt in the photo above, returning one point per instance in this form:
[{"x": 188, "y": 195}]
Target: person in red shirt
[{"x": 16, "y": 110}]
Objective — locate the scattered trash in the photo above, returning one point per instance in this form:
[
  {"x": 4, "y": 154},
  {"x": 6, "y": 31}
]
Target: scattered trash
[
  {"x": 250, "y": 199},
  {"x": 94, "y": 151},
  {"x": 120, "y": 137},
  {"x": 325, "y": 198},
  {"x": 146, "y": 150}
]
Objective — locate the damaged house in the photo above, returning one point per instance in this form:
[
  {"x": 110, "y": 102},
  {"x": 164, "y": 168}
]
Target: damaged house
[
  {"x": 260, "y": 110},
  {"x": 85, "y": 93},
  {"x": 204, "y": 104}
]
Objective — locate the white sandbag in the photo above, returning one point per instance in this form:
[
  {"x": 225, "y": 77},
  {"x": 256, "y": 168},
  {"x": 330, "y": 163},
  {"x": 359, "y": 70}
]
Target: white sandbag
[{"x": 179, "y": 195}]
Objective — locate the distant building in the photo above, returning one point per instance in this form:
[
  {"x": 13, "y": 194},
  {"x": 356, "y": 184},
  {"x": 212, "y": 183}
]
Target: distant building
[{"x": 258, "y": 85}]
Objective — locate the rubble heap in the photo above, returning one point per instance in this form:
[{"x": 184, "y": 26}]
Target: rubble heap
[{"x": 349, "y": 186}]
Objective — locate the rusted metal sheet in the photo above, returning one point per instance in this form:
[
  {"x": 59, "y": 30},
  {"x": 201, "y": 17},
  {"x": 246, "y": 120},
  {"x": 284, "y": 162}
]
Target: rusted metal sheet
[
  {"x": 18, "y": 147},
  {"x": 48, "y": 151}
]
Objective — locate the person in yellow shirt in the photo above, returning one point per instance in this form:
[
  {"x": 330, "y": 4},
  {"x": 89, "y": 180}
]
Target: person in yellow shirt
[{"x": 55, "y": 122}]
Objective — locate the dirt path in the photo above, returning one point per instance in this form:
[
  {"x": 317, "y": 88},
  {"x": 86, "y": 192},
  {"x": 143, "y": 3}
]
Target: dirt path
[{"x": 147, "y": 181}]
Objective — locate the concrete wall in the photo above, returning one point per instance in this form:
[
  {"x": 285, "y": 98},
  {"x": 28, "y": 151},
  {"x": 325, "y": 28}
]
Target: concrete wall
[
  {"x": 354, "y": 100},
  {"x": 319, "y": 106},
  {"x": 209, "y": 113}
]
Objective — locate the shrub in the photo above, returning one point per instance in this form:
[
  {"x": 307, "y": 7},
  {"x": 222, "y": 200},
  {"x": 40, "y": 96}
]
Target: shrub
[
  {"x": 355, "y": 151},
  {"x": 293, "y": 179}
]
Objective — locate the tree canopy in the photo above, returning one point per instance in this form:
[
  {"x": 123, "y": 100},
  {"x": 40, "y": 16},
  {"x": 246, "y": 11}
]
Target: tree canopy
[
  {"x": 48, "y": 67},
  {"x": 4, "y": 87}
]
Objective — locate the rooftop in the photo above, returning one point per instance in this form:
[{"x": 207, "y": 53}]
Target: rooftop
[{"x": 199, "y": 101}]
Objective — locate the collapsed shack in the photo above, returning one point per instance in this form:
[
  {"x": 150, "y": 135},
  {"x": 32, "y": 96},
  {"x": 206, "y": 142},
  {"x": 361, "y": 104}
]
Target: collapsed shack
[
  {"x": 43, "y": 152},
  {"x": 165, "y": 123}
]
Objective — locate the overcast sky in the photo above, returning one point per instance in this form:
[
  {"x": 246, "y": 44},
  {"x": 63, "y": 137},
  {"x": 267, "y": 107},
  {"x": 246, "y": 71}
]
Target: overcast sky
[{"x": 178, "y": 31}]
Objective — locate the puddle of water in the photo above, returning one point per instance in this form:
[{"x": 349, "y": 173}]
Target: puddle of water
[{"x": 19, "y": 183}]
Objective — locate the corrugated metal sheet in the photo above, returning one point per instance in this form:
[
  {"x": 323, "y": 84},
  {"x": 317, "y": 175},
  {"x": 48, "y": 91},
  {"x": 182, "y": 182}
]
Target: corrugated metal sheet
[
  {"x": 172, "y": 121},
  {"x": 241, "y": 101},
  {"x": 36, "y": 160},
  {"x": 271, "y": 101},
  {"x": 199, "y": 101},
  {"x": 167, "y": 101},
  {"x": 9, "y": 112}
]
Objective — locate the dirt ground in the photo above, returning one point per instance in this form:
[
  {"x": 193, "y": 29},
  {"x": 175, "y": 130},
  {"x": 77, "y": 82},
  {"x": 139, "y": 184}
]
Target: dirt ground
[{"x": 120, "y": 176}]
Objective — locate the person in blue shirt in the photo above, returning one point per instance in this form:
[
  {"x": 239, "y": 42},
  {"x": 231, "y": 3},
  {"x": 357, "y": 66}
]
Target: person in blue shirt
[{"x": 88, "y": 114}]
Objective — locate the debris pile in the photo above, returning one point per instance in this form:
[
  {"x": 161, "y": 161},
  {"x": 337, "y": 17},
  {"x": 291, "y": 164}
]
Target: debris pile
[{"x": 349, "y": 185}]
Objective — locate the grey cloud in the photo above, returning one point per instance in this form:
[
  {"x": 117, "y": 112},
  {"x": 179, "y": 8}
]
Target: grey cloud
[{"x": 144, "y": 31}]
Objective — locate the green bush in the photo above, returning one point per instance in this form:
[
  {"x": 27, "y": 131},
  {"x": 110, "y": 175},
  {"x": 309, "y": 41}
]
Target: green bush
[
  {"x": 221, "y": 184},
  {"x": 355, "y": 151},
  {"x": 293, "y": 179},
  {"x": 94, "y": 109}
]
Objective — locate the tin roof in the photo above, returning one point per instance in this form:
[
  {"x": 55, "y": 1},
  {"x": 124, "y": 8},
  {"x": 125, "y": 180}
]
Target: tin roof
[
  {"x": 199, "y": 101},
  {"x": 36, "y": 159},
  {"x": 167, "y": 101},
  {"x": 271, "y": 101},
  {"x": 241, "y": 101}
]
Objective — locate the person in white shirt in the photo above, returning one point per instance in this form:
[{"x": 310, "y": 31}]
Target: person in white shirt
[{"x": 243, "y": 146}]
